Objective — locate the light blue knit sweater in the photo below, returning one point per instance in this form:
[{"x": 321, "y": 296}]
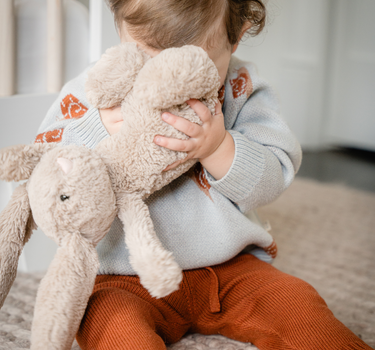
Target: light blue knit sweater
[{"x": 202, "y": 221}]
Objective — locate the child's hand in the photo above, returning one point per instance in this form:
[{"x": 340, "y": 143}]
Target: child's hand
[
  {"x": 112, "y": 119},
  {"x": 204, "y": 139}
]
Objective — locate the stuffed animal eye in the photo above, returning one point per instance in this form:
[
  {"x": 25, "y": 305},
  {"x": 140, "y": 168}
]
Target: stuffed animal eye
[{"x": 63, "y": 197}]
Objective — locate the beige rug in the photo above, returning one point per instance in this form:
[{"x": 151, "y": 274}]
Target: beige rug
[{"x": 326, "y": 236}]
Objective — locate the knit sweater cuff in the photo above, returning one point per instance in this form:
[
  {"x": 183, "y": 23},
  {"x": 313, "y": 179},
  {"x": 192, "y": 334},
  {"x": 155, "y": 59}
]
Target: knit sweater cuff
[
  {"x": 245, "y": 172},
  {"x": 89, "y": 129}
]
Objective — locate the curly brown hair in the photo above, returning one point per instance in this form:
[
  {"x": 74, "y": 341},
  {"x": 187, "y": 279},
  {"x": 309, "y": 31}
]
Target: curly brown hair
[{"x": 161, "y": 24}]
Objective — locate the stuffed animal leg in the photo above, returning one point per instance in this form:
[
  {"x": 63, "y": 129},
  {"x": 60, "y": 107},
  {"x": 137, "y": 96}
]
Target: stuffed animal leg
[
  {"x": 63, "y": 294},
  {"x": 16, "y": 221},
  {"x": 158, "y": 271},
  {"x": 16, "y": 225}
]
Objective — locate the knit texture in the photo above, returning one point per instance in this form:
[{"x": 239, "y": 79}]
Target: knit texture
[
  {"x": 202, "y": 221},
  {"x": 244, "y": 299}
]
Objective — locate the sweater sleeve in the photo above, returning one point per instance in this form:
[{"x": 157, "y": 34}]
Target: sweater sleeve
[
  {"x": 267, "y": 154},
  {"x": 71, "y": 119}
]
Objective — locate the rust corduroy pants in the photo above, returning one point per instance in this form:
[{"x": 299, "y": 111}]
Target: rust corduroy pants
[{"x": 244, "y": 299}]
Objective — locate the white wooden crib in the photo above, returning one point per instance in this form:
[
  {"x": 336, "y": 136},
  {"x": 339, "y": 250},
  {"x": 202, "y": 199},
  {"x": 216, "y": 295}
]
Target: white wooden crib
[{"x": 43, "y": 44}]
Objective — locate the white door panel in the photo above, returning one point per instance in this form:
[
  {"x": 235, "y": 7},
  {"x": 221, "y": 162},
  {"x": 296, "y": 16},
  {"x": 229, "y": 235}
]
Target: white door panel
[
  {"x": 290, "y": 54},
  {"x": 352, "y": 107}
]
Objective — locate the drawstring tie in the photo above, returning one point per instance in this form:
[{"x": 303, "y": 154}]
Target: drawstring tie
[{"x": 214, "y": 292}]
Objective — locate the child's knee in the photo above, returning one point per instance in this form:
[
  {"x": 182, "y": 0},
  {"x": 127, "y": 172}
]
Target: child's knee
[
  {"x": 117, "y": 319},
  {"x": 296, "y": 295}
]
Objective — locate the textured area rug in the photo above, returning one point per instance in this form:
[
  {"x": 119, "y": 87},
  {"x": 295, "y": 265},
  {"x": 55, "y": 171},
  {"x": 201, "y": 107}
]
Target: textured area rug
[{"x": 326, "y": 236}]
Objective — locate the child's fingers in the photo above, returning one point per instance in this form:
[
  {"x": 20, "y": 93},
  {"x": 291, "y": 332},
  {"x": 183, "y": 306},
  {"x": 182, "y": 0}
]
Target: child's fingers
[
  {"x": 174, "y": 144},
  {"x": 114, "y": 128},
  {"x": 218, "y": 108},
  {"x": 202, "y": 111},
  {"x": 188, "y": 128}
]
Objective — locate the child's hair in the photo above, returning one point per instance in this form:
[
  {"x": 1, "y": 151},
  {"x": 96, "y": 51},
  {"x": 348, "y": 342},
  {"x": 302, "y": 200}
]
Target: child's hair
[{"x": 162, "y": 24}]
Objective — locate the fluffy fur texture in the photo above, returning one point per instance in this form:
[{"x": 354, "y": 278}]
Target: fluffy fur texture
[
  {"x": 63, "y": 294},
  {"x": 140, "y": 168},
  {"x": 16, "y": 225},
  {"x": 74, "y": 193},
  {"x": 112, "y": 79},
  {"x": 18, "y": 162},
  {"x": 135, "y": 162},
  {"x": 77, "y": 224}
]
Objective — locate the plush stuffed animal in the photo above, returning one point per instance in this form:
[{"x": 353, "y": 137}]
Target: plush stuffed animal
[{"x": 73, "y": 193}]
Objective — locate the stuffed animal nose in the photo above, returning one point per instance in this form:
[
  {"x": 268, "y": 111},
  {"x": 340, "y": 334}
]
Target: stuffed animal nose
[{"x": 65, "y": 164}]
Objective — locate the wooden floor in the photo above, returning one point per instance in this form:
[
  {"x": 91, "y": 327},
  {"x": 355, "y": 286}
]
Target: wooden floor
[{"x": 352, "y": 167}]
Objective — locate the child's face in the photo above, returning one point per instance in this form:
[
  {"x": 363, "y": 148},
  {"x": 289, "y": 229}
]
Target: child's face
[{"x": 220, "y": 53}]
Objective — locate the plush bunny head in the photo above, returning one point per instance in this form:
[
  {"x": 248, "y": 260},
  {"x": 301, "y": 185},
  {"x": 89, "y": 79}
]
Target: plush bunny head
[{"x": 70, "y": 191}]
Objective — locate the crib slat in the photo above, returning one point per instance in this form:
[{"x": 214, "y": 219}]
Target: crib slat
[
  {"x": 55, "y": 52},
  {"x": 96, "y": 28},
  {"x": 7, "y": 48}
]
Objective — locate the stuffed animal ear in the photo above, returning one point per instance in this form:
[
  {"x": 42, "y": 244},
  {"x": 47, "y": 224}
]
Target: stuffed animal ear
[
  {"x": 63, "y": 294},
  {"x": 176, "y": 75},
  {"x": 16, "y": 225},
  {"x": 112, "y": 77},
  {"x": 18, "y": 162}
]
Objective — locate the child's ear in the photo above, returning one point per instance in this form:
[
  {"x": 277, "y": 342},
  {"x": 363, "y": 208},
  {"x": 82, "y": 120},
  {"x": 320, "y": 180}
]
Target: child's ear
[
  {"x": 176, "y": 75},
  {"x": 112, "y": 77},
  {"x": 18, "y": 162}
]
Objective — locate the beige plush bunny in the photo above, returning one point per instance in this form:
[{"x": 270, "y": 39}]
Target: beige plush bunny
[
  {"x": 69, "y": 195},
  {"x": 73, "y": 193}
]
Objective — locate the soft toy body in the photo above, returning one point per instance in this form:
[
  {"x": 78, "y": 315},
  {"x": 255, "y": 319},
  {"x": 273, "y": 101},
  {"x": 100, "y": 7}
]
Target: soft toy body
[
  {"x": 135, "y": 162},
  {"x": 74, "y": 193},
  {"x": 164, "y": 82}
]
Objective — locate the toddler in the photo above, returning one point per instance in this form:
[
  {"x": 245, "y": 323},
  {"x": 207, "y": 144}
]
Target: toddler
[{"x": 247, "y": 158}]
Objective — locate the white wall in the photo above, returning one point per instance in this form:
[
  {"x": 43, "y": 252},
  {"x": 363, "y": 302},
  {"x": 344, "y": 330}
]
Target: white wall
[
  {"x": 320, "y": 57},
  {"x": 291, "y": 55},
  {"x": 352, "y": 70}
]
